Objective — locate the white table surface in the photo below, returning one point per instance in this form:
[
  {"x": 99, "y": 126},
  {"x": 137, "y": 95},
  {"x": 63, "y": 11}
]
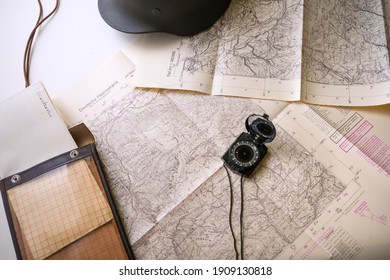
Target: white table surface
[{"x": 66, "y": 49}]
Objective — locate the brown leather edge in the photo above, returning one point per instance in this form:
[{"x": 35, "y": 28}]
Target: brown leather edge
[{"x": 82, "y": 135}]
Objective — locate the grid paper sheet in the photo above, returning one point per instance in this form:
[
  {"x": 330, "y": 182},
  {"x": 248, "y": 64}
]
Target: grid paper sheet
[
  {"x": 103, "y": 243},
  {"x": 59, "y": 207}
]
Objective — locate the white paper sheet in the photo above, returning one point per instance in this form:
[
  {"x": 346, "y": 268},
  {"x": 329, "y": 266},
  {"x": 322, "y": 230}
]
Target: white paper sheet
[
  {"x": 107, "y": 84},
  {"x": 31, "y": 131}
]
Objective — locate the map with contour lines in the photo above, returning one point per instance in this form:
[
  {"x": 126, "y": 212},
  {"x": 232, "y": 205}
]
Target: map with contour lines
[
  {"x": 324, "y": 52},
  {"x": 173, "y": 194},
  {"x": 254, "y": 38},
  {"x": 345, "y": 42}
]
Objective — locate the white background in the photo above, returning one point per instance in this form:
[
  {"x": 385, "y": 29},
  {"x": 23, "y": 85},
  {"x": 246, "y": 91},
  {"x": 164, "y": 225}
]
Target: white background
[
  {"x": 66, "y": 48},
  {"x": 281, "y": 270}
]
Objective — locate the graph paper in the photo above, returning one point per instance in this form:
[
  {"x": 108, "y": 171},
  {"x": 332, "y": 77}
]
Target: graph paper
[
  {"x": 57, "y": 208},
  {"x": 103, "y": 243}
]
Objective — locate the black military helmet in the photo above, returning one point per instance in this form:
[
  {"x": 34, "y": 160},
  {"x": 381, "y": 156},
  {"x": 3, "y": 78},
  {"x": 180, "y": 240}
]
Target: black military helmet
[{"x": 180, "y": 17}]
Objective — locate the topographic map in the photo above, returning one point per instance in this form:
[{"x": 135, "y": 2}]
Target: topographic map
[
  {"x": 281, "y": 201},
  {"x": 132, "y": 144},
  {"x": 313, "y": 195},
  {"x": 345, "y": 42},
  {"x": 254, "y": 39},
  {"x": 161, "y": 151},
  {"x": 323, "y": 52}
]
